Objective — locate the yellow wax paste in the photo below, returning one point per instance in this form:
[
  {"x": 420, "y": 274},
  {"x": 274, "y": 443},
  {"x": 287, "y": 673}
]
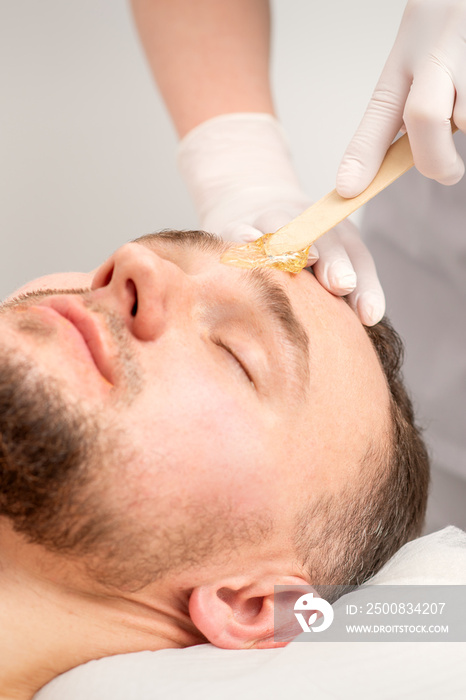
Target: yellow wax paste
[{"x": 255, "y": 254}]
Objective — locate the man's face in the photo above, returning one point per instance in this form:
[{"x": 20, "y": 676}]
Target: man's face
[{"x": 233, "y": 396}]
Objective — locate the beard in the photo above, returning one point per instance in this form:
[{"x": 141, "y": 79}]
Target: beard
[
  {"x": 55, "y": 481},
  {"x": 47, "y": 447},
  {"x": 56, "y": 456}
]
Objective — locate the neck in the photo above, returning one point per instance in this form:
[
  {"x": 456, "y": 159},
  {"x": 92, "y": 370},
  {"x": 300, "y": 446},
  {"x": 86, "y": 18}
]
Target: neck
[{"x": 48, "y": 626}]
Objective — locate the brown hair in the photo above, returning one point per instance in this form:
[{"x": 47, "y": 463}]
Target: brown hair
[{"x": 365, "y": 525}]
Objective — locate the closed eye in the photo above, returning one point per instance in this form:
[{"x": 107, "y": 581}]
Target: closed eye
[{"x": 238, "y": 361}]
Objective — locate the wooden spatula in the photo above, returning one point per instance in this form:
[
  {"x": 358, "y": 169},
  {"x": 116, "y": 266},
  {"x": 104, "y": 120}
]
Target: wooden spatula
[
  {"x": 331, "y": 209},
  {"x": 279, "y": 249}
]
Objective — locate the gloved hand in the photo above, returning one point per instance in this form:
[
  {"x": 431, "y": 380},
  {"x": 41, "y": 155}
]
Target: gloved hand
[
  {"x": 423, "y": 84},
  {"x": 238, "y": 171}
]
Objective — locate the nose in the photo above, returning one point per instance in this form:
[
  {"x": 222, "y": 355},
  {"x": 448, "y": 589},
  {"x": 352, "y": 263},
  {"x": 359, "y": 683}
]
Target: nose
[{"x": 141, "y": 287}]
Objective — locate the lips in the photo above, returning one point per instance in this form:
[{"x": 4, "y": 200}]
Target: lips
[{"x": 87, "y": 325}]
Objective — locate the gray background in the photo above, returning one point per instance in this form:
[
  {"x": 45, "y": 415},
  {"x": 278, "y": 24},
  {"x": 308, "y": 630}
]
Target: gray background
[{"x": 87, "y": 151}]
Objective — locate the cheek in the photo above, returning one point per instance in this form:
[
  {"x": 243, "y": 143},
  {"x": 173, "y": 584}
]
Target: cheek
[
  {"x": 208, "y": 446},
  {"x": 59, "y": 280}
]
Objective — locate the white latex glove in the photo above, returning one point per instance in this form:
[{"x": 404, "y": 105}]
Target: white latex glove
[
  {"x": 238, "y": 171},
  {"x": 423, "y": 85}
]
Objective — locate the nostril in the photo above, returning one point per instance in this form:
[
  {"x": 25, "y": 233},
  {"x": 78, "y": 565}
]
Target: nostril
[
  {"x": 108, "y": 277},
  {"x": 132, "y": 290},
  {"x": 103, "y": 276}
]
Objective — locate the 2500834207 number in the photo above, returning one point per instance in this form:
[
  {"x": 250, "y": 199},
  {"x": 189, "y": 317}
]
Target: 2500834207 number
[{"x": 404, "y": 608}]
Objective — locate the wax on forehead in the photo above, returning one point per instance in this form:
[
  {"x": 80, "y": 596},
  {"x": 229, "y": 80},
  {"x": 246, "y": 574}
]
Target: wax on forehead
[{"x": 253, "y": 255}]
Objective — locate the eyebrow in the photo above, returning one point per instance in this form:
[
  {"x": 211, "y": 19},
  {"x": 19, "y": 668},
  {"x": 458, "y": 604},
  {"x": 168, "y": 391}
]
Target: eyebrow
[{"x": 274, "y": 300}]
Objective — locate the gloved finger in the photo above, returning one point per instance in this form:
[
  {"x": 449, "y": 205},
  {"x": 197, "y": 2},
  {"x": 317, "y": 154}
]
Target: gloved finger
[
  {"x": 333, "y": 268},
  {"x": 367, "y": 299},
  {"x": 427, "y": 116},
  {"x": 271, "y": 221},
  {"x": 239, "y": 233},
  {"x": 459, "y": 111},
  {"x": 312, "y": 255},
  {"x": 459, "y": 79},
  {"x": 379, "y": 126},
  {"x": 267, "y": 222}
]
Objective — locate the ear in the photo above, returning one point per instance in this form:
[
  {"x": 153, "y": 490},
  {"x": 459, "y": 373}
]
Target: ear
[{"x": 238, "y": 614}]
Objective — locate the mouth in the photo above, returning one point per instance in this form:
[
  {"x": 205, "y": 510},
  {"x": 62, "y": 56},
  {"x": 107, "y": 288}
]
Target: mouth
[{"x": 87, "y": 325}]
